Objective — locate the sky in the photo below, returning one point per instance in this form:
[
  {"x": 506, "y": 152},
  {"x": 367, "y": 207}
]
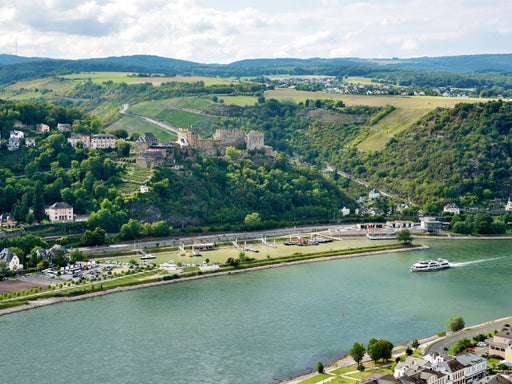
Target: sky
[{"x": 224, "y": 31}]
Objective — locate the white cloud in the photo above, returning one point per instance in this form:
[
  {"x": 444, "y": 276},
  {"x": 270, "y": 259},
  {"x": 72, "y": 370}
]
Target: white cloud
[{"x": 224, "y": 31}]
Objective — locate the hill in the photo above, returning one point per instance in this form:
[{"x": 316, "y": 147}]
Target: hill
[
  {"x": 13, "y": 68},
  {"x": 458, "y": 155}
]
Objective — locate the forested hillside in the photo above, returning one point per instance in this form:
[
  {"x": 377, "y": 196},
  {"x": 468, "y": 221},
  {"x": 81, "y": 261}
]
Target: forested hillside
[
  {"x": 222, "y": 192},
  {"x": 458, "y": 155},
  {"x": 203, "y": 192}
]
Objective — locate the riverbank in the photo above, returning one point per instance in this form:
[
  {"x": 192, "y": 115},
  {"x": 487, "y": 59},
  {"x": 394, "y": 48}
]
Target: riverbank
[
  {"x": 424, "y": 345},
  {"x": 56, "y": 300}
]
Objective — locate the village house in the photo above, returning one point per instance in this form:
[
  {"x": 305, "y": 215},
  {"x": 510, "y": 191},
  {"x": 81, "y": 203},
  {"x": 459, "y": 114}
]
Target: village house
[
  {"x": 495, "y": 379},
  {"x": 76, "y": 138},
  {"x": 147, "y": 137},
  {"x": 30, "y": 143},
  {"x": 374, "y": 194},
  {"x": 14, "y": 140},
  {"x": 380, "y": 378},
  {"x": 60, "y": 212},
  {"x": 11, "y": 259},
  {"x": 431, "y": 225},
  {"x": 102, "y": 141},
  {"x": 474, "y": 366},
  {"x": 410, "y": 366},
  {"x": 42, "y": 128},
  {"x": 452, "y": 208},
  {"x": 345, "y": 211},
  {"x": 500, "y": 343},
  {"x": 62, "y": 127},
  {"x": 7, "y": 220},
  {"x": 149, "y": 154},
  {"x": 144, "y": 189},
  {"x": 424, "y": 376},
  {"x": 454, "y": 370},
  {"x": 508, "y": 206}
]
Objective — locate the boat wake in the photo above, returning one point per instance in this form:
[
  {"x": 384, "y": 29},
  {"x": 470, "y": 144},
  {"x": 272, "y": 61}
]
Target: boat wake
[{"x": 463, "y": 264}]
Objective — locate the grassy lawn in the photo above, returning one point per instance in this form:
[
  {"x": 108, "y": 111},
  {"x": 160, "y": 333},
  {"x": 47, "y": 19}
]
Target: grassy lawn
[
  {"x": 343, "y": 380},
  {"x": 316, "y": 379}
]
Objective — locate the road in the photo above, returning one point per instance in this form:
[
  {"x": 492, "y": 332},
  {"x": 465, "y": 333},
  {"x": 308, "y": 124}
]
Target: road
[{"x": 467, "y": 333}]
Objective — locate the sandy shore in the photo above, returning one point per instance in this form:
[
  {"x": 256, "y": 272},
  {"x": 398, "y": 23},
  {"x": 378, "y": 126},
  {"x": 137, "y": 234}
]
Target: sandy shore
[{"x": 55, "y": 300}]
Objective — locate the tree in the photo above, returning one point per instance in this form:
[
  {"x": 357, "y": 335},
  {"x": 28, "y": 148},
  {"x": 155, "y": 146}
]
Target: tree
[
  {"x": 233, "y": 153},
  {"x": 59, "y": 258},
  {"x": 404, "y": 236},
  {"x": 374, "y": 350},
  {"x": 380, "y": 349},
  {"x": 77, "y": 255},
  {"x": 252, "y": 220},
  {"x": 320, "y": 367},
  {"x": 415, "y": 344},
  {"x": 123, "y": 148},
  {"x": 38, "y": 202},
  {"x": 455, "y": 324},
  {"x": 4, "y": 270},
  {"x": 357, "y": 352}
]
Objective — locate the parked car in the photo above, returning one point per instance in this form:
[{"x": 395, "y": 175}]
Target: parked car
[{"x": 481, "y": 344}]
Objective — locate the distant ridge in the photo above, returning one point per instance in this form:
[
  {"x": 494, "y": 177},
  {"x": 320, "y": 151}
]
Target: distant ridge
[
  {"x": 14, "y": 68},
  {"x": 6, "y": 59}
]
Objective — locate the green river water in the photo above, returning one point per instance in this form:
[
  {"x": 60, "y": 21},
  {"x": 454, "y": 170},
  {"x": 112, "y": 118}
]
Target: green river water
[{"x": 256, "y": 327}]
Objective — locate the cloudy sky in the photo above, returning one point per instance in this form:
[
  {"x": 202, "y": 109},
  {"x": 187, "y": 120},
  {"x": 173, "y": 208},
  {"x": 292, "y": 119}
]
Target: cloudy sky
[{"x": 223, "y": 31}]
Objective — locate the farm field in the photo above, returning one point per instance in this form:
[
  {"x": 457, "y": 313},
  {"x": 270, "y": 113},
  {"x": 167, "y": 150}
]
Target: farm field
[
  {"x": 126, "y": 77},
  {"x": 429, "y": 102},
  {"x": 241, "y": 101}
]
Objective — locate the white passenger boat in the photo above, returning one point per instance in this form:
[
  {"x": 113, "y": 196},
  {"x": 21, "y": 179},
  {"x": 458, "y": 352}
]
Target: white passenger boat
[{"x": 430, "y": 265}]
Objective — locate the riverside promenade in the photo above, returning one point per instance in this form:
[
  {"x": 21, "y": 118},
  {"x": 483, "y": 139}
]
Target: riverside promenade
[{"x": 432, "y": 343}]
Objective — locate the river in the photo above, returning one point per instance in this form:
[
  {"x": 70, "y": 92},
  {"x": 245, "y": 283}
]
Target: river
[{"x": 256, "y": 327}]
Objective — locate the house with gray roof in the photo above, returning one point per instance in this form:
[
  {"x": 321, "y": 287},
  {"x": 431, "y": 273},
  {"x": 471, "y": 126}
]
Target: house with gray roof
[
  {"x": 60, "y": 212},
  {"x": 475, "y": 366},
  {"x": 11, "y": 259},
  {"x": 147, "y": 137}
]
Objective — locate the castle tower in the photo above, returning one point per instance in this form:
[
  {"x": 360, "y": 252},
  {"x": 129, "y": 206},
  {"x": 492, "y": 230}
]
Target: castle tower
[{"x": 255, "y": 140}]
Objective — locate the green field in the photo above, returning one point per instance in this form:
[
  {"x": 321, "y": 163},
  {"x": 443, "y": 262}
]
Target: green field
[
  {"x": 389, "y": 126},
  {"x": 241, "y": 101},
  {"x": 154, "y": 107},
  {"x": 429, "y": 102},
  {"x": 184, "y": 119},
  {"x": 131, "y": 123}
]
